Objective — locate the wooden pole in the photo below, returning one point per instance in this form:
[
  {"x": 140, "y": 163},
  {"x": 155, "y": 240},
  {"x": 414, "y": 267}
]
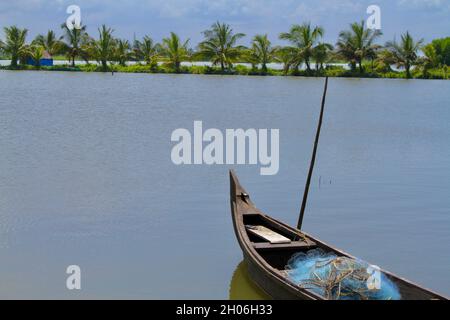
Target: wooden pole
[{"x": 313, "y": 159}]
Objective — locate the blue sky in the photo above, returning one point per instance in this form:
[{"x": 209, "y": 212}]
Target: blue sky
[{"x": 423, "y": 18}]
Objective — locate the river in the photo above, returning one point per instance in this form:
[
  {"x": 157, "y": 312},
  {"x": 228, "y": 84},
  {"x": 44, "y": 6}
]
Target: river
[{"x": 86, "y": 178}]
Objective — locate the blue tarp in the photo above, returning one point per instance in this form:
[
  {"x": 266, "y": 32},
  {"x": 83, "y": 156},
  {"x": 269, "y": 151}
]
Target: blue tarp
[{"x": 43, "y": 62}]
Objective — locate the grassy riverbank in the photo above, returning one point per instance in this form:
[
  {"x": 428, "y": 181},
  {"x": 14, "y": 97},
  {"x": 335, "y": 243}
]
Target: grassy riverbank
[
  {"x": 330, "y": 71},
  {"x": 304, "y": 50}
]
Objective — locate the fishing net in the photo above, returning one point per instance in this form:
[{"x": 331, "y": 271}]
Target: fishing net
[{"x": 340, "y": 278}]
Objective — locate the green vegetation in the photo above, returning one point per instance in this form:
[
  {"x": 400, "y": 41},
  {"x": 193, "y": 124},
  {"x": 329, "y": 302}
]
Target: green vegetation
[
  {"x": 442, "y": 47},
  {"x": 14, "y": 46},
  {"x": 49, "y": 43},
  {"x": 174, "y": 51},
  {"x": 304, "y": 41},
  {"x": 122, "y": 52},
  {"x": 220, "y": 47},
  {"x": 357, "y": 47},
  {"x": 75, "y": 43},
  {"x": 36, "y": 53},
  {"x": 147, "y": 51},
  {"x": 404, "y": 54},
  {"x": 103, "y": 50}
]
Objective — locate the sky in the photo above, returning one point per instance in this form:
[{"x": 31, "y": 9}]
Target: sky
[{"x": 426, "y": 19}]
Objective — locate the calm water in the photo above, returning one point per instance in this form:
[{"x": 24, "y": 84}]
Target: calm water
[{"x": 86, "y": 178}]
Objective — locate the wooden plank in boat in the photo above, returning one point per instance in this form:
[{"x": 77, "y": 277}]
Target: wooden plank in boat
[
  {"x": 292, "y": 245},
  {"x": 267, "y": 234}
]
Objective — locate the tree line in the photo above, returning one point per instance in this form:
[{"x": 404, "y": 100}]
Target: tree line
[{"x": 305, "y": 46}]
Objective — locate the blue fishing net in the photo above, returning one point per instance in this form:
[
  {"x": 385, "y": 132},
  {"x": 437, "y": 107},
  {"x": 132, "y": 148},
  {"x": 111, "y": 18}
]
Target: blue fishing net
[{"x": 340, "y": 278}]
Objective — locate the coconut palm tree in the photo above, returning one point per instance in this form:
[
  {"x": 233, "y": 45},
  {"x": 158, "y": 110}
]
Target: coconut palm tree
[
  {"x": 429, "y": 60},
  {"x": 147, "y": 51},
  {"x": 321, "y": 54},
  {"x": 220, "y": 46},
  {"x": 175, "y": 51},
  {"x": 103, "y": 48},
  {"x": 76, "y": 43},
  {"x": 49, "y": 42},
  {"x": 262, "y": 51},
  {"x": 357, "y": 44},
  {"x": 249, "y": 56},
  {"x": 285, "y": 56},
  {"x": 384, "y": 61},
  {"x": 36, "y": 53},
  {"x": 304, "y": 40},
  {"x": 15, "y": 45},
  {"x": 123, "y": 52},
  {"x": 405, "y": 53}
]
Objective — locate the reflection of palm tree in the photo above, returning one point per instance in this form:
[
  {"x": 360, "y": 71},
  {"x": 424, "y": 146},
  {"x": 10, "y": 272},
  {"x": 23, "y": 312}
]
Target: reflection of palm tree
[
  {"x": 175, "y": 51},
  {"x": 15, "y": 45},
  {"x": 405, "y": 52},
  {"x": 357, "y": 44},
  {"x": 304, "y": 40},
  {"x": 49, "y": 42},
  {"x": 243, "y": 288},
  {"x": 220, "y": 46}
]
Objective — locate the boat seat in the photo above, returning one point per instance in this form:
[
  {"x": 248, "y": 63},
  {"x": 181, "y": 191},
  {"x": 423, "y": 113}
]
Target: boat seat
[
  {"x": 300, "y": 245},
  {"x": 268, "y": 234}
]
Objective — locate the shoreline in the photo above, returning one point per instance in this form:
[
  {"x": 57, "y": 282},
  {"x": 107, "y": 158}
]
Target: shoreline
[{"x": 239, "y": 70}]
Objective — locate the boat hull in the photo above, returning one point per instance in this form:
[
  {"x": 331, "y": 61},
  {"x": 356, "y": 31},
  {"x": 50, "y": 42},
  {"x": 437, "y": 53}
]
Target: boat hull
[{"x": 266, "y": 262}]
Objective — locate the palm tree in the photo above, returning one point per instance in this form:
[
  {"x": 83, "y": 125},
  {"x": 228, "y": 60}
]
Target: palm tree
[
  {"x": 103, "y": 48},
  {"x": 76, "y": 43},
  {"x": 123, "y": 52},
  {"x": 405, "y": 52},
  {"x": 304, "y": 40},
  {"x": 384, "y": 61},
  {"x": 357, "y": 44},
  {"x": 36, "y": 53},
  {"x": 220, "y": 46},
  {"x": 285, "y": 56},
  {"x": 175, "y": 50},
  {"x": 49, "y": 42},
  {"x": 321, "y": 54},
  {"x": 15, "y": 45},
  {"x": 430, "y": 59},
  {"x": 262, "y": 51},
  {"x": 147, "y": 51}
]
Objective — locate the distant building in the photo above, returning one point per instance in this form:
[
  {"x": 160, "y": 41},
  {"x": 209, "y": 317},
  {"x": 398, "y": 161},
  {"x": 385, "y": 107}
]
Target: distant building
[{"x": 46, "y": 60}]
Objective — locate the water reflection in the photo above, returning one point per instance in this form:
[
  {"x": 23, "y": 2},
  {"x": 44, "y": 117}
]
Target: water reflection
[{"x": 243, "y": 288}]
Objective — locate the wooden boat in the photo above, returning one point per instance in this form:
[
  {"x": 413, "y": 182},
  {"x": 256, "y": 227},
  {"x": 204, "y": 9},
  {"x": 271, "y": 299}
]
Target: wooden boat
[{"x": 267, "y": 251}]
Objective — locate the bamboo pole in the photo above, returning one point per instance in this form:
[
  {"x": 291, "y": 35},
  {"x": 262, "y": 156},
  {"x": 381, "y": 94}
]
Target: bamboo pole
[{"x": 313, "y": 159}]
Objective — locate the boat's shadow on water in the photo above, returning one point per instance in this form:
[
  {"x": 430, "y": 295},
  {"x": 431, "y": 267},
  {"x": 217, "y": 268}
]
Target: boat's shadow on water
[{"x": 243, "y": 288}]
